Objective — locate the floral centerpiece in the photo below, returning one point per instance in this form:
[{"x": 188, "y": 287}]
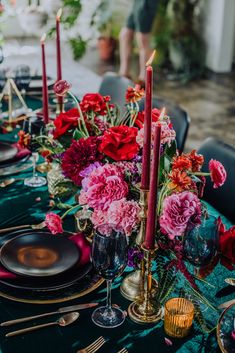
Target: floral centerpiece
[{"x": 100, "y": 151}]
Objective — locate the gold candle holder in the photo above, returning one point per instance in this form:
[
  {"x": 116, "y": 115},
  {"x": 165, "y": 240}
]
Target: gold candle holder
[
  {"x": 131, "y": 285},
  {"x": 146, "y": 309},
  {"x": 59, "y": 105},
  {"x": 178, "y": 317}
]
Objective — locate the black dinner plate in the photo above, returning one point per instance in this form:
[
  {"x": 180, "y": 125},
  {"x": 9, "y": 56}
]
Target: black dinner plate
[
  {"x": 7, "y": 152},
  {"x": 39, "y": 254},
  {"x": 46, "y": 284}
]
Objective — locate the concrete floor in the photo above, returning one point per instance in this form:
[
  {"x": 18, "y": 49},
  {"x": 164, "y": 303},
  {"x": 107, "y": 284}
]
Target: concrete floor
[{"x": 210, "y": 101}]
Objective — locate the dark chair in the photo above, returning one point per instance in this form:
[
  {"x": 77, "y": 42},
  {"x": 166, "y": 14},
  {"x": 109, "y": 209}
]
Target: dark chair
[
  {"x": 179, "y": 117},
  {"x": 223, "y": 198},
  {"x": 115, "y": 86}
]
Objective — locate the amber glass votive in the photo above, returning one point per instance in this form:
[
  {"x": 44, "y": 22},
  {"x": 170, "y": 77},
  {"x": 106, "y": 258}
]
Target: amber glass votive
[{"x": 178, "y": 317}]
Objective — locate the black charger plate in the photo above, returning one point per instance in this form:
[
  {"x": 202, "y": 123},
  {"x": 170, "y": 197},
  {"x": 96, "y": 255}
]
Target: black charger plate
[
  {"x": 7, "y": 152},
  {"x": 39, "y": 254}
]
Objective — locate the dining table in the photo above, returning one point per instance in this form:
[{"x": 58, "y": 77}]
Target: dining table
[{"x": 20, "y": 204}]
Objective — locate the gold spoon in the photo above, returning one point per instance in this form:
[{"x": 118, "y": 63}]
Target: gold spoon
[
  {"x": 230, "y": 281},
  {"x": 62, "y": 321}
]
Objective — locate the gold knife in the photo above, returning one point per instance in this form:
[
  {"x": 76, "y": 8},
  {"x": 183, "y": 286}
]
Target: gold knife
[
  {"x": 226, "y": 304},
  {"x": 65, "y": 309}
]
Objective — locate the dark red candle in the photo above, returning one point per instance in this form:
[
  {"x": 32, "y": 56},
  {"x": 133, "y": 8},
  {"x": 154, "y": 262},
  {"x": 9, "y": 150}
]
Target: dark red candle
[
  {"x": 147, "y": 129},
  {"x": 152, "y": 202},
  {"x": 44, "y": 82},
  {"x": 58, "y": 51}
]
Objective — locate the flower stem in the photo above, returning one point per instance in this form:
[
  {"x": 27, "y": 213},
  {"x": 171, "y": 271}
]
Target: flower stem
[
  {"x": 80, "y": 113},
  {"x": 69, "y": 210}
]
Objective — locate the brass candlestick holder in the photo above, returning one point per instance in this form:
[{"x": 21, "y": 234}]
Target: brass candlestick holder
[
  {"x": 59, "y": 105},
  {"x": 131, "y": 285},
  {"x": 146, "y": 309}
]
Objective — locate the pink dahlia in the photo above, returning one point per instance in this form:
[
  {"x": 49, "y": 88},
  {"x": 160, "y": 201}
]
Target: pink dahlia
[
  {"x": 80, "y": 155},
  {"x": 218, "y": 173},
  {"x": 105, "y": 185},
  {"x": 124, "y": 214},
  {"x": 178, "y": 210},
  {"x": 54, "y": 223}
]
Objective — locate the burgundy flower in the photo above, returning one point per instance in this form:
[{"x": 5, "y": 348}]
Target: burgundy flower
[
  {"x": 54, "y": 223},
  {"x": 61, "y": 87},
  {"x": 218, "y": 173},
  {"x": 80, "y": 155}
]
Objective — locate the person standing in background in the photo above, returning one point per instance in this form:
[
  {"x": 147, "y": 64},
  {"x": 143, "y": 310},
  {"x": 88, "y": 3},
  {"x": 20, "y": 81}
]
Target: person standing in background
[{"x": 139, "y": 22}]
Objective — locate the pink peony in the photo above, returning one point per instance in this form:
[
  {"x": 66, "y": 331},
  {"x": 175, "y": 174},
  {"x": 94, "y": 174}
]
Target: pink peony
[
  {"x": 178, "y": 210},
  {"x": 99, "y": 217},
  {"x": 104, "y": 185},
  {"x": 53, "y": 223},
  {"x": 124, "y": 214},
  {"x": 218, "y": 173}
]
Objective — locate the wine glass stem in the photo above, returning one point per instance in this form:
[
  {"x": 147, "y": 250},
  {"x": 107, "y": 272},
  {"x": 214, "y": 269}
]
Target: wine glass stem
[
  {"x": 34, "y": 165},
  {"x": 108, "y": 300}
]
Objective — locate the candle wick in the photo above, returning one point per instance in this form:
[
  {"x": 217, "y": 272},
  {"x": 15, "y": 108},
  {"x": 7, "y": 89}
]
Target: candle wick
[{"x": 150, "y": 60}]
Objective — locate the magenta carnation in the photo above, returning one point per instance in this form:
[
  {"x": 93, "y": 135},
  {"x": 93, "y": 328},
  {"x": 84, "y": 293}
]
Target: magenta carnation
[
  {"x": 53, "y": 223},
  {"x": 105, "y": 185},
  {"x": 178, "y": 211},
  {"x": 124, "y": 214},
  {"x": 218, "y": 173},
  {"x": 78, "y": 156}
]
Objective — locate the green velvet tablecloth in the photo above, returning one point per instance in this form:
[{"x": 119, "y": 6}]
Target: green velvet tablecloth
[{"x": 18, "y": 198}]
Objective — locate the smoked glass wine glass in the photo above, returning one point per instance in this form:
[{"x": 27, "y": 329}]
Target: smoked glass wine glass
[{"x": 109, "y": 257}]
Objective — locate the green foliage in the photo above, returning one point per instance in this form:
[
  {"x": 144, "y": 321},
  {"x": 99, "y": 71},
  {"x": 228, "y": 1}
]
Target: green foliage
[
  {"x": 166, "y": 279},
  {"x": 78, "y": 46},
  {"x": 73, "y": 9}
]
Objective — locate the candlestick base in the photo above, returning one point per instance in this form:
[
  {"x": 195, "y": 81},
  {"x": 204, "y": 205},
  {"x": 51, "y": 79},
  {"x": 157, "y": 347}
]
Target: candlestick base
[
  {"x": 131, "y": 286},
  {"x": 145, "y": 314}
]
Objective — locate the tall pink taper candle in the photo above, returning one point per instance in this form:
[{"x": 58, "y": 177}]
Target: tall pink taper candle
[
  {"x": 147, "y": 125},
  {"x": 44, "y": 82},
  {"x": 149, "y": 242}
]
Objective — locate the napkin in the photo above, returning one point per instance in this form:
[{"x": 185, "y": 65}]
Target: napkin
[
  {"x": 79, "y": 240},
  {"x": 22, "y": 152}
]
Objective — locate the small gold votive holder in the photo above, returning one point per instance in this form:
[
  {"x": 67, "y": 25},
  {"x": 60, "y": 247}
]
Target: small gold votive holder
[{"x": 178, "y": 317}]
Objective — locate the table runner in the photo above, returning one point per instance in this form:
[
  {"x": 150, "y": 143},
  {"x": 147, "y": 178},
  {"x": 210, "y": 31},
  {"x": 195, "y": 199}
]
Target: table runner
[{"x": 18, "y": 198}]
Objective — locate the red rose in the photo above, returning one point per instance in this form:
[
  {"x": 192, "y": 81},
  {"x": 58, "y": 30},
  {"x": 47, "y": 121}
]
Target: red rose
[
  {"x": 65, "y": 121},
  {"x": 61, "y": 87},
  {"x": 227, "y": 246},
  {"x": 218, "y": 173},
  {"x": 119, "y": 143},
  {"x": 94, "y": 102},
  {"x": 140, "y": 118}
]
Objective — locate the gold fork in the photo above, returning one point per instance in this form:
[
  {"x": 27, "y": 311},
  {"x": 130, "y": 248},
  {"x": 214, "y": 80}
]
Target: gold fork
[
  {"x": 123, "y": 350},
  {"x": 93, "y": 347},
  {"x": 33, "y": 226}
]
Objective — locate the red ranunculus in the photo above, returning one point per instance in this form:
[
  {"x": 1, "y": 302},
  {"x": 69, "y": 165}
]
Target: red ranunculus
[
  {"x": 119, "y": 143},
  {"x": 65, "y": 121},
  {"x": 140, "y": 118},
  {"x": 227, "y": 246},
  {"x": 218, "y": 173},
  {"x": 94, "y": 102},
  {"x": 61, "y": 87}
]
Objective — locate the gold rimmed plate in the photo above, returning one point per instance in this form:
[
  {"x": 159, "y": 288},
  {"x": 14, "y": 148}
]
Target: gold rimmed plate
[
  {"x": 225, "y": 327},
  {"x": 39, "y": 254}
]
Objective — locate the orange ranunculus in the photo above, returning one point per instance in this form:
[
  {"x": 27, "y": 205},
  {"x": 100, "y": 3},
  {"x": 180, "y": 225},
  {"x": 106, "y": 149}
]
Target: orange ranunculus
[
  {"x": 119, "y": 143},
  {"x": 24, "y": 139},
  {"x": 180, "y": 181},
  {"x": 182, "y": 162}
]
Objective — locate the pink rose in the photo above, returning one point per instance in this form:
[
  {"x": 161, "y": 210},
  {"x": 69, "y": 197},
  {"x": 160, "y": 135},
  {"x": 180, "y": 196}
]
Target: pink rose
[
  {"x": 178, "y": 210},
  {"x": 53, "y": 223},
  {"x": 124, "y": 214},
  {"x": 105, "y": 185},
  {"x": 218, "y": 173}
]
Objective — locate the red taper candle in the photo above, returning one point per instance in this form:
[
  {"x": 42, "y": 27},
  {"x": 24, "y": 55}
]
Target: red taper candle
[
  {"x": 147, "y": 124},
  {"x": 58, "y": 51},
  {"x": 44, "y": 82},
  {"x": 149, "y": 242}
]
